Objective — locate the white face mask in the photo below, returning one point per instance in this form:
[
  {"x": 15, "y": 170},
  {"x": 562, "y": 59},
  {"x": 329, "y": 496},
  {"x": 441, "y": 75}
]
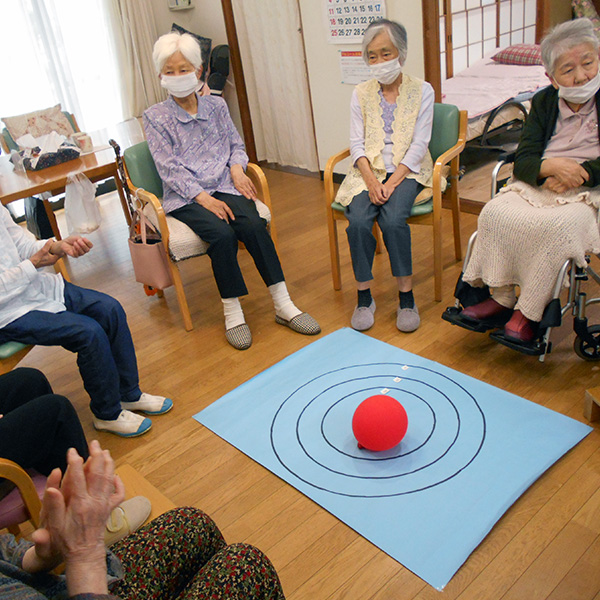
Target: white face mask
[
  {"x": 180, "y": 86},
  {"x": 386, "y": 72},
  {"x": 580, "y": 94}
]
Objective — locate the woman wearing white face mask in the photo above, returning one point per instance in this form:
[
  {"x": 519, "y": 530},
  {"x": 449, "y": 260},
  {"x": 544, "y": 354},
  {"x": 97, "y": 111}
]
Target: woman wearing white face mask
[
  {"x": 548, "y": 212},
  {"x": 390, "y": 129},
  {"x": 201, "y": 160}
]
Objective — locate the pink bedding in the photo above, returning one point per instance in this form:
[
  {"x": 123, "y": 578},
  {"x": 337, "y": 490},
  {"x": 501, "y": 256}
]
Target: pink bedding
[{"x": 487, "y": 84}]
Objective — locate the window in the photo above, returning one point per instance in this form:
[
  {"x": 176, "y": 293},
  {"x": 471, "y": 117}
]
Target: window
[{"x": 60, "y": 51}]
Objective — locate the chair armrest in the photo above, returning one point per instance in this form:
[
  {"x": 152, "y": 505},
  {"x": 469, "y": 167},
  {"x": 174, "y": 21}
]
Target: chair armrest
[
  {"x": 146, "y": 197},
  {"x": 261, "y": 184},
  {"x": 328, "y": 174},
  {"x": 13, "y": 472}
]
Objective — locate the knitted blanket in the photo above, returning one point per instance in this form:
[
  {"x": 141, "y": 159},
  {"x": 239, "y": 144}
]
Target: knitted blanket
[{"x": 526, "y": 234}]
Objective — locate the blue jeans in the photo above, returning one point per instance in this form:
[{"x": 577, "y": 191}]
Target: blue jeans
[
  {"x": 391, "y": 217},
  {"x": 95, "y": 326}
]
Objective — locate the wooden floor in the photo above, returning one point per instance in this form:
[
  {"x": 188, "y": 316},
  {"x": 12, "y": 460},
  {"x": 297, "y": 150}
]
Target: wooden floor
[{"x": 547, "y": 546}]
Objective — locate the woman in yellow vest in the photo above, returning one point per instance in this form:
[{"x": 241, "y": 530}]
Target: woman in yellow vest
[{"x": 390, "y": 129}]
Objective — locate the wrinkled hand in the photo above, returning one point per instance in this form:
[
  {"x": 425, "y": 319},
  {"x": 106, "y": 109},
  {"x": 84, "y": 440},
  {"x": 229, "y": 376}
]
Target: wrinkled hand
[
  {"x": 44, "y": 257},
  {"x": 74, "y": 514},
  {"x": 564, "y": 170},
  {"x": 218, "y": 207},
  {"x": 73, "y": 246},
  {"x": 243, "y": 183},
  {"x": 553, "y": 184},
  {"x": 378, "y": 193}
]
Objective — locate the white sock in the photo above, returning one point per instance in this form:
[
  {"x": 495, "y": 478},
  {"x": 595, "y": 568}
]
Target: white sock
[
  {"x": 234, "y": 315},
  {"x": 284, "y": 307}
]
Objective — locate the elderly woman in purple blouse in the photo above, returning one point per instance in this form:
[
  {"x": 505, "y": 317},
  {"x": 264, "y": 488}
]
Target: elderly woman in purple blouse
[{"x": 201, "y": 160}]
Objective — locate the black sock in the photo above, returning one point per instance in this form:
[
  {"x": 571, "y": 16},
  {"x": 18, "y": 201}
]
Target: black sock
[
  {"x": 364, "y": 298},
  {"x": 407, "y": 300}
]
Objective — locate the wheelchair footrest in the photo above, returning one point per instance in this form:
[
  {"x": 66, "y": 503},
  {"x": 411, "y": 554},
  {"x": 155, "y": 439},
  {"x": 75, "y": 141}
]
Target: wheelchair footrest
[
  {"x": 536, "y": 347},
  {"x": 454, "y": 315}
]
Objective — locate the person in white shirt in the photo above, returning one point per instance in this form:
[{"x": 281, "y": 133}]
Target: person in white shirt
[{"x": 38, "y": 307}]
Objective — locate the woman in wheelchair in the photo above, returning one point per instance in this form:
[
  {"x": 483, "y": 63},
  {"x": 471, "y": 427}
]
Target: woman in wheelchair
[
  {"x": 390, "y": 129},
  {"x": 547, "y": 214},
  {"x": 201, "y": 160}
]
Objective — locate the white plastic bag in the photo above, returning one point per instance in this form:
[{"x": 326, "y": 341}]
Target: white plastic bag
[{"x": 81, "y": 209}]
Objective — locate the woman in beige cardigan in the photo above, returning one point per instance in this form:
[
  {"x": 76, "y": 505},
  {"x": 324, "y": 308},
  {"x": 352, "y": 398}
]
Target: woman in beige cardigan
[{"x": 390, "y": 129}]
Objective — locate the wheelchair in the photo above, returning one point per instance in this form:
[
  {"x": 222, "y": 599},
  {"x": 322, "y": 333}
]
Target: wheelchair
[{"x": 587, "y": 340}]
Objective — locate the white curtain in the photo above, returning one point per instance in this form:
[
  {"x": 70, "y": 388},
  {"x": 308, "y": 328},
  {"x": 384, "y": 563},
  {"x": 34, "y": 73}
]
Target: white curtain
[
  {"x": 270, "y": 41},
  {"x": 134, "y": 32},
  {"x": 59, "y": 51}
]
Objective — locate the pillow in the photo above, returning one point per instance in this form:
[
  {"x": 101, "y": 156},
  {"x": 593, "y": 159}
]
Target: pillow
[
  {"x": 38, "y": 123},
  {"x": 205, "y": 46},
  {"x": 519, "y": 54}
]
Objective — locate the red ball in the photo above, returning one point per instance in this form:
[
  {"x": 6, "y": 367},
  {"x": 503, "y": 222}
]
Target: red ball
[{"x": 379, "y": 423}]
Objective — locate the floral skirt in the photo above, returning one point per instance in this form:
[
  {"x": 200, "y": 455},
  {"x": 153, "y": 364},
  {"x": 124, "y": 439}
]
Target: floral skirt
[{"x": 182, "y": 555}]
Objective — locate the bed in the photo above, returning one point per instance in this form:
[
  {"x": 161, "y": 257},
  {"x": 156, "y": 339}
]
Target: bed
[{"x": 493, "y": 94}]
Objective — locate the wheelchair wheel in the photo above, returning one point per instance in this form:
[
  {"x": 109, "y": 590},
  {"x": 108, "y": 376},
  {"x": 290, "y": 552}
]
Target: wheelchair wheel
[{"x": 584, "y": 349}]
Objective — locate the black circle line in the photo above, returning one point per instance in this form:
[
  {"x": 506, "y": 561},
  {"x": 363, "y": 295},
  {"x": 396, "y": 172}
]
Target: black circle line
[
  {"x": 397, "y": 475},
  {"x": 377, "y": 495},
  {"x": 374, "y": 458}
]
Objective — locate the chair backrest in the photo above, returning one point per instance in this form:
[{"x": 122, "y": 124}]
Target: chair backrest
[
  {"x": 446, "y": 119},
  {"x": 9, "y": 144},
  {"x": 142, "y": 170}
]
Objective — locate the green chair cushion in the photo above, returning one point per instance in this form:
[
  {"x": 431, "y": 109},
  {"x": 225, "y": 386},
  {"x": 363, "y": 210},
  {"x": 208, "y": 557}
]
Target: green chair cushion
[
  {"x": 8, "y": 349},
  {"x": 419, "y": 209},
  {"x": 142, "y": 170}
]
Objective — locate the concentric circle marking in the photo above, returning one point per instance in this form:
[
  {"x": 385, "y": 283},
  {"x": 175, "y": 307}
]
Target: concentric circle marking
[{"x": 311, "y": 432}]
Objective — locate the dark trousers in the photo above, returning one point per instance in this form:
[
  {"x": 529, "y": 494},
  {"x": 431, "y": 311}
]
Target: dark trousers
[
  {"x": 37, "y": 427},
  {"x": 223, "y": 239},
  {"x": 95, "y": 327},
  {"x": 391, "y": 217}
]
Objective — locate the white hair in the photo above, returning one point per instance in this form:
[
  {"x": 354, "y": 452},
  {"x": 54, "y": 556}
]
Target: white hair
[
  {"x": 565, "y": 36},
  {"x": 397, "y": 33},
  {"x": 166, "y": 45}
]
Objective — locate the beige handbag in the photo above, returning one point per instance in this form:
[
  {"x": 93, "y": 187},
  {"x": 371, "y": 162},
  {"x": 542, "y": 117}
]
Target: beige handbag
[{"x": 148, "y": 254}]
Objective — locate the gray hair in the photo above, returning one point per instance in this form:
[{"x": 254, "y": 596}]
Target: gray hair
[
  {"x": 396, "y": 31},
  {"x": 166, "y": 45},
  {"x": 565, "y": 36}
]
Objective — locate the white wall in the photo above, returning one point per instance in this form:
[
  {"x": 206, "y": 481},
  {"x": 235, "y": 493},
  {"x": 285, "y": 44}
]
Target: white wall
[
  {"x": 330, "y": 97},
  {"x": 205, "y": 19}
]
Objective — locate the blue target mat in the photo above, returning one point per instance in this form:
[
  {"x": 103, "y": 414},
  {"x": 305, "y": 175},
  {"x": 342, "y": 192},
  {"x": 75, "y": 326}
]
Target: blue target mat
[{"x": 470, "y": 451}]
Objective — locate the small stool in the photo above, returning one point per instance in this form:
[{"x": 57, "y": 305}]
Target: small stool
[{"x": 11, "y": 353}]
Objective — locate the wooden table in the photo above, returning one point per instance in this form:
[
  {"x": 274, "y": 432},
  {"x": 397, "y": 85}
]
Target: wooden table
[{"x": 96, "y": 166}]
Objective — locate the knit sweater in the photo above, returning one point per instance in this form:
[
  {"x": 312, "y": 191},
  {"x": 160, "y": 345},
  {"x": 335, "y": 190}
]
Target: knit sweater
[{"x": 17, "y": 584}]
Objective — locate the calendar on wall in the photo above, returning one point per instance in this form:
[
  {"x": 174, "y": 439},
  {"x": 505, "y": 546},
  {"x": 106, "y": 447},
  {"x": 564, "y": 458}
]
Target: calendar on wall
[{"x": 348, "y": 19}]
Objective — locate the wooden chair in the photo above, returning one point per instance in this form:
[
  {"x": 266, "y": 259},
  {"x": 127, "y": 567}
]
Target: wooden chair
[
  {"x": 11, "y": 353},
  {"x": 447, "y": 142},
  {"x": 180, "y": 242}
]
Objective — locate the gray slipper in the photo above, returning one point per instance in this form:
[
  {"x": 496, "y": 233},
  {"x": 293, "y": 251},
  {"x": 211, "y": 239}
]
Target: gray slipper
[
  {"x": 363, "y": 317},
  {"x": 239, "y": 336},
  {"x": 408, "y": 319}
]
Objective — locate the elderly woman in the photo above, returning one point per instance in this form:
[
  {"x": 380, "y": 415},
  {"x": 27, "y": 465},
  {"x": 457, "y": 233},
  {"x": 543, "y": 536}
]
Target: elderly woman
[
  {"x": 547, "y": 214},
  {"x": 390, "y": 129},
  {"x": 201, "y": 160}
]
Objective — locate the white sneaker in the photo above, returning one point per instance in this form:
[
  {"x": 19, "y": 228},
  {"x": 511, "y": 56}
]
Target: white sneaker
[
  {"x": 127, "y": 424},
  {"x": 149, "y": 404}
]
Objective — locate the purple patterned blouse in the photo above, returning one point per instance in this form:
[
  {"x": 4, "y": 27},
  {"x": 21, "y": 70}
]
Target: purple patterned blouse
[{"x": 193, "y": 154}]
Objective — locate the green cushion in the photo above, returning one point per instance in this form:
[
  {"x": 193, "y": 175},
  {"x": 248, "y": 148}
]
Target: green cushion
[
  {"x": 419, "y": 209},
  {"x": 142, "y": 170},
  {"x": 444, "y": 133},
  {"x": 9, "y": 348}
]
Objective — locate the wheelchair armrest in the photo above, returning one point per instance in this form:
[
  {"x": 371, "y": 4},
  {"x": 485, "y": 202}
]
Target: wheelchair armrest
[{"x": 507, "y": 157}]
